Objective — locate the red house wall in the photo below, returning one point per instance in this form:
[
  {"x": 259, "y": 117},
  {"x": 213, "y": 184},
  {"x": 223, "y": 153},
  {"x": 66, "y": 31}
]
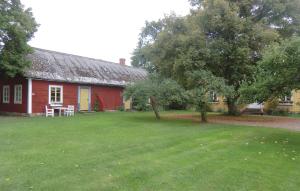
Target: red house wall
[
  {"x": 40, "y": 94},
  {"x": 111, "y": 96},
  {"x": 11, "y": 107}
]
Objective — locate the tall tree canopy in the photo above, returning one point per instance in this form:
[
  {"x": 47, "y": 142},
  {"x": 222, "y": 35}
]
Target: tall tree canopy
[
  {"x": 226, "y": 37},
  {"x": 284, "y": 15},
  {"x": 17, "y": 27},
  {"x": 158, "y": 42},
  {"x": 233, "y": 43}
]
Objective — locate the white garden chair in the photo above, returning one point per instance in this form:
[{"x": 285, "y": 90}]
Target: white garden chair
[
  {"x": 49, "y": 111},
  {"x": 70, "y": 111}
]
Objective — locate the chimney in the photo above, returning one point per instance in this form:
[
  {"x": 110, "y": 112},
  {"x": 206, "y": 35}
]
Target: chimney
[{"x": 122, "y": 61}]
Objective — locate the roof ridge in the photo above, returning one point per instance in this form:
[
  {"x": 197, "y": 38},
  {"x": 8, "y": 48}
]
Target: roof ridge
[{"x": 96, "y": 59}]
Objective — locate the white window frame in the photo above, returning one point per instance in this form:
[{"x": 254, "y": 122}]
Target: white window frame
[
  {"x": 6, "y": 90},
  {"x": 286, "y": 99},
  {"x": 18, "y": 94},
  {"x": 61, "y": 95},
  {"x": 213, "y": 94}
]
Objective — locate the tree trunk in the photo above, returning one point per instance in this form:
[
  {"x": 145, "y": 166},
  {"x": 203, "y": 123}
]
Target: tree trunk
[
  {"x": 203, "y": 113},
  {"x": 203, "y": 117},
  {"x": 154, "y": 107},
  {"x": 232, "y": 107}
]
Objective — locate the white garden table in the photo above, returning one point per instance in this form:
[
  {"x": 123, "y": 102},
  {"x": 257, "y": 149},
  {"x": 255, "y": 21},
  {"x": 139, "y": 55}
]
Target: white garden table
[{"x": 60, "y": 109}]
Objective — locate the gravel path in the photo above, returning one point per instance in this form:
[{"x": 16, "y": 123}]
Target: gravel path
[{"x": 250, "y": 120}]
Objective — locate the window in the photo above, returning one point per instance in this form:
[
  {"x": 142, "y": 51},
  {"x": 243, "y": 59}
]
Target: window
[
  {"x": 5, "y": 96},
  {"x": 18, "y": 94},
  {"x": 214, "y": 97},
  {"x": 286, "y": 100},
  {"x": 55, "y": 95}
]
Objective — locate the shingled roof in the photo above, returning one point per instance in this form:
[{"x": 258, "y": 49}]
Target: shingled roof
[{"x": 57, "y": 66}]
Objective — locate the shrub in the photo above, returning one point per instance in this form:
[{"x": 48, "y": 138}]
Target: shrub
[
  {"x": 220, "y": 110},
  {"x": 280, "y": 112},
  {"x": 97, "y": 105},
  {"x": 271, "y": 105},
  {"x": 140, "y": 103},
  {"x": 209, "y": 108},
  {"x": 121, "y": 108},
  {"x": 176, "y": 106}
]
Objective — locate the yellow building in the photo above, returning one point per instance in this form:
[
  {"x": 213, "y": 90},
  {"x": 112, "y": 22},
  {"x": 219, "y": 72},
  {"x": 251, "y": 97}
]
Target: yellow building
[
  {"x": 217, "y": 103},
  {"x": 290, "y": 104}
]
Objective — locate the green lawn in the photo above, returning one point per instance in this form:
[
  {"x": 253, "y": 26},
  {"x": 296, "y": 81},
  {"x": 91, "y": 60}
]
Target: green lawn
[
  {"x": 295, "y": 115},
  {"x": 132, "y": 151}
]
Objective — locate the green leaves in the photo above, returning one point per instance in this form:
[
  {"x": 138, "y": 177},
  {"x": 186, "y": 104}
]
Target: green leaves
[
  {"x": 282, "y": 15},
  {"x": 201, "y": 84},
  {"x": 17, "y": 27},
  {"x": 159, "y": 44},
  {"x": 278, "y": 72},
  {"x": 165, "y": 91},
  {"x": 223, "y": 37}
]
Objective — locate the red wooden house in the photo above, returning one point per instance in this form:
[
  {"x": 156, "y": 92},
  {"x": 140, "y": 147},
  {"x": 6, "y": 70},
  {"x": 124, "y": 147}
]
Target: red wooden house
[{"x": 59, "y": 79}]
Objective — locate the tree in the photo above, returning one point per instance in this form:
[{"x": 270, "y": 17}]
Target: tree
[
  {"x": 160, "y": 92},
  {"x": 233, "y": 43},
  {"x": 201, "y": 83},
  {"x": 215, "y": 37},
  {"x": 278, "y": 72},
  {"x": 283, "y": 15},
  {"x": 226, "y": 37},
  {"x": 147, "y": 37},
  {"x": 159, "y": 43},
  {"x": 17, "y": 27}
]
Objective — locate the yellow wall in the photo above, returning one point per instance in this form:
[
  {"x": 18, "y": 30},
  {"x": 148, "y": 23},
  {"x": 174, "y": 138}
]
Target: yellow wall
[
  {"x": 127, "y": 105},
  {"x": 218, "y": 106},
  {"x": 293, "y": 107},
  {"x": 296, "y": 102}
]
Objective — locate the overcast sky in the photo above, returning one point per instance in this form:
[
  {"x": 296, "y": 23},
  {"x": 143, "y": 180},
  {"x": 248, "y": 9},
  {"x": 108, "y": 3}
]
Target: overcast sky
[{"x": 104, "y": 29}]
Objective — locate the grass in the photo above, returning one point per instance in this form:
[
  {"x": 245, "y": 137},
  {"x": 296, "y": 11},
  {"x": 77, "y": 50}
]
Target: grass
[
  {"x": 296, "y": 115},
  {"x": 133, "y": 151}
]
